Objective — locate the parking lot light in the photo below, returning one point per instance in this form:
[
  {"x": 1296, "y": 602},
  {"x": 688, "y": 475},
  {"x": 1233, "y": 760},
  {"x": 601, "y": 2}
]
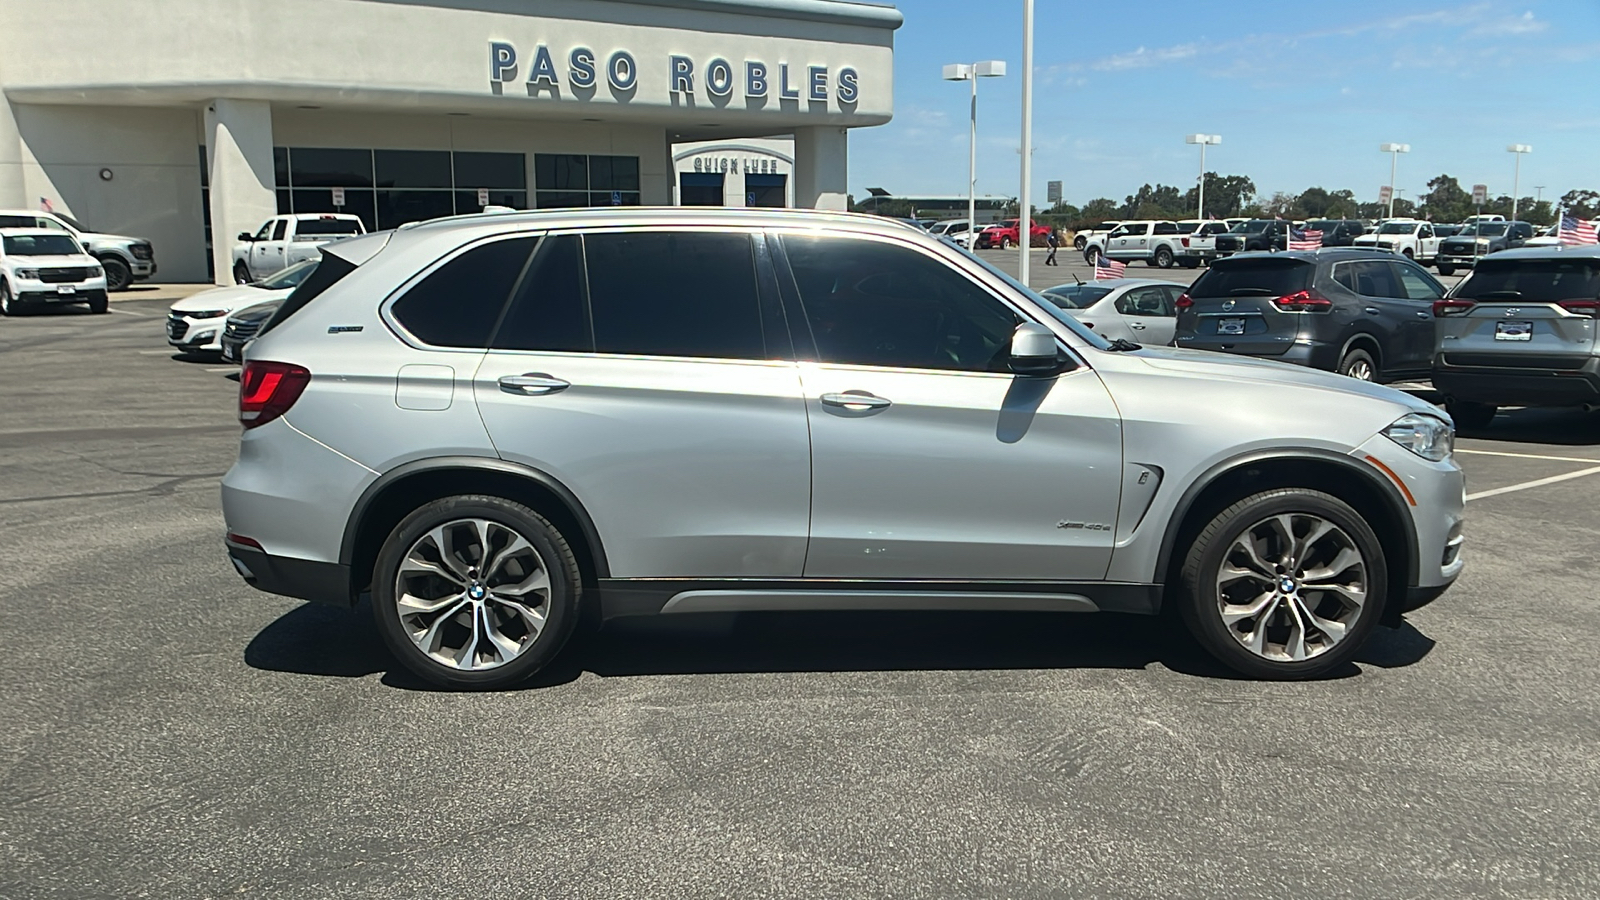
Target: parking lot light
[
  {"x": 1394, "y": 151},
  {"x": 1516, "y": 179},
  {"x": 1202, "y": 140},
  {"x": 989, "y": 68}
]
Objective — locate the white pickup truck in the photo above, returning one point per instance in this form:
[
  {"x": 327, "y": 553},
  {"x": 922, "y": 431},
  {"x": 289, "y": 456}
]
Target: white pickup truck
[
  {"x": 1097, "y": 234},
  {"x": 1411, "y": 238},
  {"x": 1198, "y": 240},
  {"x": 285, "y": 240}
]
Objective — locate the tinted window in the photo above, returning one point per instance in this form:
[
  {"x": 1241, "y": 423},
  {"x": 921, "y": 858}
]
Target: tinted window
[
  {"x": 280, "y": 229},
  {"x": 412, "y": 168},
  {"x": 1345, "y": 275},
  {"x": 41, "y": 245},
  {"x": 1166, "y": 228},
  {"x": 16, "y": 222},
  {"x": 1075, "y": 296},
  {"x": 1147, "y": 301},
  {"x": 1253, "y": 278},
  {"x": 1532, "y": 280},
  {"x": 674, "y": 294},
  {"x": 1186, "y": 228},
  {"x": 877, "y": 304},
  {"x": 457, "y": 304},
  {"x": 324, "y": 227},
  {"x": 549, "y": 312},
  {"x": 1136, "y": 230},
  {"x": 1415, "y": 284},
  {"x": 1375, "y": 278}
]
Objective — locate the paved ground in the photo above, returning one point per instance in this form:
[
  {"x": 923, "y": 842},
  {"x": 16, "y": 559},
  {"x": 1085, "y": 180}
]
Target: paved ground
[{"x": 171, "y": 733}]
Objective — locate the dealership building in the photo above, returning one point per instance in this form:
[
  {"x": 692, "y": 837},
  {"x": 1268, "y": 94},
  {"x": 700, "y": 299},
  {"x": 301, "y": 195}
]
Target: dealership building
[{"x": 203, "y": 118}]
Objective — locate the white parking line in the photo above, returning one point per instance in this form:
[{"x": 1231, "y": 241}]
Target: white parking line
[
  {"x": 1495, "y": 492},
  {"x": 1527, "y": 455},
  {"x": 129, "y": 312}
]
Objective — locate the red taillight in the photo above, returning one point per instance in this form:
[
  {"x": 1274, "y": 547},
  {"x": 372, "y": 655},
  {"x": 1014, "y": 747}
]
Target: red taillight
[
  {"x": 1442, "y": 308},
  {"x": 1184, "y": 302},
  {"x": 1581, "y": 307},
  {"x": 268, "y": 389},
  {"x": 1303, "y": 301},
  {"x": 1184, "y": 241}
]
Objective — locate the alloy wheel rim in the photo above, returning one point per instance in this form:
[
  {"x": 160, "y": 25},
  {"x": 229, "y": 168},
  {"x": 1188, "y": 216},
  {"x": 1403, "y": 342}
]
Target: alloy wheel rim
[
  {"x": 473, "y": 594},
  {"x": 1361, "y": 370},
  {"x": 1291, "y": 587}
]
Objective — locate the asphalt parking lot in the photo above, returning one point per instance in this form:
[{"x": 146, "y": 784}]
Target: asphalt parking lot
[{"x": 172, "y": 733}]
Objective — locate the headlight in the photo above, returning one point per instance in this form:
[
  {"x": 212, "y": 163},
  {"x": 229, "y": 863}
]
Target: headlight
[
  {"x": 28, "y": 274},
  {"x": 95, "y": 272},
  {"x": 1483, "y": 242},
  {"x": 205, "y": 313},
  {"x": 1426, "y": 436}
]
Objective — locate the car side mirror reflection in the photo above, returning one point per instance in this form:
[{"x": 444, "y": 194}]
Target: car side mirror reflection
[{"x": 1034, "y": 351}]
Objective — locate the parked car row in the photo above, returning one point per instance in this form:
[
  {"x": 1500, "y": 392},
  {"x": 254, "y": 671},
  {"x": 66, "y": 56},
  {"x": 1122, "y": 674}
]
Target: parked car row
[
  {"x": 123, "y": 259},
  {"x": 40, "y": 267}
]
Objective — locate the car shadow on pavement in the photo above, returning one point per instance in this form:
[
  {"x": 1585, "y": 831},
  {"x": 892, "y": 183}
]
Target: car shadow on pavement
[
  {"x": 344, "y": 643},
  {"x": 1569, "y": 426}
]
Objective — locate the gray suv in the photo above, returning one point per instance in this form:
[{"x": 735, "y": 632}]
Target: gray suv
[
  {"x": 506, "y": 427},
  {"x": 1520, "y": 331}
]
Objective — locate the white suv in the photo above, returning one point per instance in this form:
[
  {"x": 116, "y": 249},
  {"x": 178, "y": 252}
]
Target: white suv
[
  {"x": 500, "y": 425},
  {"x": 40, "y": 267}
]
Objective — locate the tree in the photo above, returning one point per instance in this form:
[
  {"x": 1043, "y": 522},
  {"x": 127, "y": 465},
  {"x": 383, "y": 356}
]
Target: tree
[
  {"x": 1098, "y": 210},
  {"x": 1446, "y": 201},
  {"x": 1314, "y": 201},
  {"x": 1226, "y": 195},
  {"x": 1581, "y": 203},
  {"x": 1158, "y": 202}
]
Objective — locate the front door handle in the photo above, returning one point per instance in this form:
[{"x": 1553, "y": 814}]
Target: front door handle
[
  {"x": 533, "y": 384},
  {"x": 1373, "y": 311},
  {"x": 1136, "y": 325},
  {"x": 857, "y": 400},
  {"x": 1423, "y": 315}
]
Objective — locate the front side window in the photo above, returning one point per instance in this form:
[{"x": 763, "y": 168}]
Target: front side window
[
  {"x": 279, "y": 230},
  {"x": 871, "y": 303},
  {"x": 457, "y": 304},
  {"x": 265, "y": 233},
  {"x": 674, "y": 294},
  {"x": 1376, "y": 278}
]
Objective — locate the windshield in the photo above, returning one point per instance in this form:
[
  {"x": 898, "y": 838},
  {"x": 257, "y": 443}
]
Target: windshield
[
  {"x": 1251, "y": 227},
  {"x": 1075, "y": 296},
  {"x": 41, "y": 245},
  {"x": 1486, "y": 229},
  {"x": 1531, "y": 280},
  {"x": 307, "y": 227},
  {"x": 288, "y": 278},
  {"x": 1397, "y": 228},
  {"x": 1059, "y": 314}
]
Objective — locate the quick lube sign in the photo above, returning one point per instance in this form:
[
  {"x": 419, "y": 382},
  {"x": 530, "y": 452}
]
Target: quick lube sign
[{"x": 717, "y": 78}]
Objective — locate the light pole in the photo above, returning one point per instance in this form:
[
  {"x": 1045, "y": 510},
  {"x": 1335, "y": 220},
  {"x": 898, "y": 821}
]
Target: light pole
[
  {"x": 992, "y": 68},
  {"x": 1025, "y": 213},
  {"x": 1394, "y": 151},
  {"x": 1202, "y": 140},
  {"x": 1516, "y": 180}
]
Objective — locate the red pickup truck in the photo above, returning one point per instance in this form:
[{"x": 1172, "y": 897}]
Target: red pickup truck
[{"x": 1004, "y": 234}]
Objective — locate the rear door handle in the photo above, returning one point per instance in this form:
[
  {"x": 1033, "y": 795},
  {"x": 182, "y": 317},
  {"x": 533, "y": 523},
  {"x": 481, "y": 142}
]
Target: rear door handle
[
  {"x": 1136, "y": 325},
  {"x": 855, "y": 400},
  {"x": 1423, "y": 315},
  {"x": 533, "y": 384},
  {"x": 1373, "y": 311}
]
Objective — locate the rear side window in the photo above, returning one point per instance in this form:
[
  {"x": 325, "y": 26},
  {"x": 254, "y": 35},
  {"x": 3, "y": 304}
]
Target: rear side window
[
  {"x": 549, "y": 312},
  {"x": 458, "y": 303},
  {"x": 328, "y": 273},
  {"x": 1254, "y": 278},
  {"x": 1166, "y": 228},
  {"x": 674, "y": 294},
  {"x": 1532, "y": 280}
]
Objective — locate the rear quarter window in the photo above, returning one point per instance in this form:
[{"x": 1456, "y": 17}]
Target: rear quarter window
[{"x": 1254, "y": 277}]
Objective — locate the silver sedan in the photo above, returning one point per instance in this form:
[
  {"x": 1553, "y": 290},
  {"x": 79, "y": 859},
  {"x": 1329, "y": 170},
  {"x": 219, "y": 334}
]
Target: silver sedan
[{"x": 1141, "y": 310}]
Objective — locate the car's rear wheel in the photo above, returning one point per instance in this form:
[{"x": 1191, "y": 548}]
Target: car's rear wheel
[
  {"x": 475, "y": 592},
  {"x": 1164, "y": 257},
  {"x": 1471, "y": 415},
  {"x": 1284, "y": 584},
  {"x": 1359, "y": 364},
  {"x": 1447, "y": 270},
  {"x": 118, "y": 275}
]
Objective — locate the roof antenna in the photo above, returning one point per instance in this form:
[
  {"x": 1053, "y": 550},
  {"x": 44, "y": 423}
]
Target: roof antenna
[{"x": 1077, "y": 279}]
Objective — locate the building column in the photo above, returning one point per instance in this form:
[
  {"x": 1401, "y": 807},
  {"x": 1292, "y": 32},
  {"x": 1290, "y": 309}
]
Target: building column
[
  {"x": 13, "y": 186},
  {"x": 821, "y": 165},
  {"x": 239, "y": 157}
]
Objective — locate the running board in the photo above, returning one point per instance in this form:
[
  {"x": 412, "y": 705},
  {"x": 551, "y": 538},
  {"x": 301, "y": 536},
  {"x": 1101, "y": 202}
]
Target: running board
[{"x": 735, "y": 600}]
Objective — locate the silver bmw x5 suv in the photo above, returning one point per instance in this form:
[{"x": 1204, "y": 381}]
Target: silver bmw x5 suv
[{"x": 505, "y": 427}]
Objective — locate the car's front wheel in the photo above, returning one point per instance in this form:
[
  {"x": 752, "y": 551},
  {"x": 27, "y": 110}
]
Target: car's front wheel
[
  {"x": 1284, "y": 584},
  {"x": 475, "y": 592},
  {"x": 1005, "y": 243},
  {"x": 8, "y": 304},
  {"x": 241, "y": 273},
  {"x": 1447, "y": 270},
  {"x": 1091, "y": 255},
  {"x": 1079, "y": 242}
]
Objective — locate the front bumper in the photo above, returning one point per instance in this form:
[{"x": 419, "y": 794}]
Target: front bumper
[
  {"x": 194, "y": 335},
  {"x": 1436, "y": 499},
  {"x": 1196, "y": 253},
  {"x": 35, "y": 293},
  {"x": 1460, "y": 262},
  {"x": 1514, "y": 385}
]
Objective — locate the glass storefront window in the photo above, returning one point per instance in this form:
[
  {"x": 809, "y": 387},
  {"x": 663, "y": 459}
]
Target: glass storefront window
[
  {"x": 505, "y": 171},
  {"x": 568, "y": 180},
  {"x": 324, "y": 167},
  {"x": 412, "y": 168}
]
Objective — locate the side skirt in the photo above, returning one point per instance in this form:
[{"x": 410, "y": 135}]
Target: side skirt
[{"x": 621, "y": 597}]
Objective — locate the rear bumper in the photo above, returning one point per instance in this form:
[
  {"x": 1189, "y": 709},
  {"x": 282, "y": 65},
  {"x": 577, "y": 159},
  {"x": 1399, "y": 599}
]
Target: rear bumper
[
  {"x": 1518, "y": 386},
  {"x": 303, "y": 579}
]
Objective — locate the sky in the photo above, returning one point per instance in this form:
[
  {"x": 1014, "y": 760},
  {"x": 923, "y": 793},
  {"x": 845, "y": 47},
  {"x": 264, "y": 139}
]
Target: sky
[{"x": 1301, "y": 93}]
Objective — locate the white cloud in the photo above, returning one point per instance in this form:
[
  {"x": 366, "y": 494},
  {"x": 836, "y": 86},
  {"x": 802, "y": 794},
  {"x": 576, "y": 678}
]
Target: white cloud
[{"x": 1144, "y": 58}]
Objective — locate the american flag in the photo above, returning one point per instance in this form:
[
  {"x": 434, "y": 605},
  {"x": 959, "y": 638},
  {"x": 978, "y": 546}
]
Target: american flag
[
  {"x": 1107, "y": 268},
  {"x": 1578, "y": 231},
  {"x": 1305, "y": 240},
  {"x": 44, "y": 204}
]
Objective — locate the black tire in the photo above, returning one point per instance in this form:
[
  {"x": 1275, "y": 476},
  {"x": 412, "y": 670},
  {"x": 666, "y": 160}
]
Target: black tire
[
  {"x": 1079, "y": 242},
  {"x": 1199, "y": 597},
  {"x": 1091, "y": 254},
  {"x": 8, "y": 305},
  {"x": 564, "y": 603},
  {"x": 1469, "y": 415},
  {"x": 1005, "y": 242},
  {"x": 118, "y": 275},
  {"x": 1447, "y": 270},
  {"x": 1163, "y": 257},
  {"x": 1408, "y": 254},
  {"x": 100, "y": 305},
  {"x": 1190, "y": 263},
  {"x": 1359, "y": 364},
  {"x": 241, "y": 273}
]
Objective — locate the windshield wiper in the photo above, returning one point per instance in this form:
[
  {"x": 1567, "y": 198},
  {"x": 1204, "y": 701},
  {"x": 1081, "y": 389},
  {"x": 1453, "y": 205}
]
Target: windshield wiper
[{"x": 1122, "y": 345}]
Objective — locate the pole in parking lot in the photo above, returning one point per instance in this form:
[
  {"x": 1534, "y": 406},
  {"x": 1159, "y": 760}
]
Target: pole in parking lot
[
  {"x": 1024, "y": 219},
  {"x": 1202, "y": 140},
  {"x": 989, "y": 68},
  {"x": 1480, "y": 194},
  {"x": 1394, "y": 151},
  {"x": 1516, "y": 180}
]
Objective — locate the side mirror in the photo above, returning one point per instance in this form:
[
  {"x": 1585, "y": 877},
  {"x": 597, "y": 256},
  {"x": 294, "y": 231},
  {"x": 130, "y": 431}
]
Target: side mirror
[
  {"x": 1033, "y": 350},
  {"x": 246, "y": 236}
]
